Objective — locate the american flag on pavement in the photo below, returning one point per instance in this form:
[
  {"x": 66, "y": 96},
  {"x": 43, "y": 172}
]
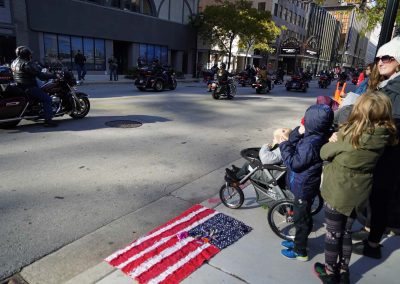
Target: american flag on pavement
[{"x": 171, "y": 252}]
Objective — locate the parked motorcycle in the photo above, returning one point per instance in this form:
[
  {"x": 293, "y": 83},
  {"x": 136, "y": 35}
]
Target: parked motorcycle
[
  {"x": 220, "y": 91},
  {"x": 149, "y": 78},
  {"x": 16, "y": 104},
  {"x": 297, "y": 83}
]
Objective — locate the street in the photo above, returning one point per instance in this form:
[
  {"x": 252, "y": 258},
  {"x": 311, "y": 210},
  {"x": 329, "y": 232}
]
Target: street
[{"x": 58, "y": 185}]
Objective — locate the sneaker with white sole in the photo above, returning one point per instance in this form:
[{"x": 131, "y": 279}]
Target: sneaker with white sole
[
  {"x": 288, "y": 244},
  {"x": 291, "y": 254}
]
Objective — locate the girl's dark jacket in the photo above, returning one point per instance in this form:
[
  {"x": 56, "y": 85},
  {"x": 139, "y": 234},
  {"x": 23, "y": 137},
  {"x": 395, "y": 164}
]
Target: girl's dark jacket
[{"x": 300, "y": 153}]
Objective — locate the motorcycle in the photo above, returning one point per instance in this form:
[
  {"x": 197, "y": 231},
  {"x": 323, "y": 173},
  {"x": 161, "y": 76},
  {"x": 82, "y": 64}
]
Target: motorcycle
[
  {"x": 16, "y": 104},
  {"x": 148, "y": 78},
  {"x": 354, "y": 80},
  {"x": 297, "y": 83},
  {"x": 243, "y": 79},
  {"x": 262, "y": 86},
  {"x": 323, "y": 81},
  {"x": 219, "y": 91}
]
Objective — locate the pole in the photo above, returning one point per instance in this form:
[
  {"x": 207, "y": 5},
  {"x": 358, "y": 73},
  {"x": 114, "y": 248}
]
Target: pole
[{"x": 388, "y": 22}]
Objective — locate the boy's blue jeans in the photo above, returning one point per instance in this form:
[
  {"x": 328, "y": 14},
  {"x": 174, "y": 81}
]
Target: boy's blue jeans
[{"x": 303, "y": 223}]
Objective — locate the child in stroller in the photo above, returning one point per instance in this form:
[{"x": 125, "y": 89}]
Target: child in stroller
[{"x": 266, "y": 174}]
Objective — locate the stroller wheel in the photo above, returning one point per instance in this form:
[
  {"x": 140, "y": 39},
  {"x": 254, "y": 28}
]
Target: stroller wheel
[
  {"x": 231, "y": 197},
  {"x": 317, "y": 205},
  {"x": 280, "y": 219}
]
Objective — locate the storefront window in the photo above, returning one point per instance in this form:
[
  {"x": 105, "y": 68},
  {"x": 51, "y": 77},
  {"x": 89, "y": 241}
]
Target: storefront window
[
  {"x": 88, "y": 51},
  {"x": 147, "y": 8},
  {"x": 150, "y": 53},
  {"x": 164, "y": 56},
  {"x": 64, "y": 50},
  {"x": 99, "y": 54},
  {"x": 50, "y": 47},
  {"x": 76, "y": 44},
  {"x": 157, "y": 52}
]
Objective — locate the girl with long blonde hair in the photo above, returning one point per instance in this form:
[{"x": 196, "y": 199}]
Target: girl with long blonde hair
[{"x": 348, "y": 178}]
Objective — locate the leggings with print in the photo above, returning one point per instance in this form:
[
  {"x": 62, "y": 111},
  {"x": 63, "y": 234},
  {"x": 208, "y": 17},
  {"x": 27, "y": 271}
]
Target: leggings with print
[{"x": 338, "y": 246}]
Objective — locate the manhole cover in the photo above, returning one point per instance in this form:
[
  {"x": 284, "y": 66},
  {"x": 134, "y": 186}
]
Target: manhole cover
[{"x": 124, "y": 123}]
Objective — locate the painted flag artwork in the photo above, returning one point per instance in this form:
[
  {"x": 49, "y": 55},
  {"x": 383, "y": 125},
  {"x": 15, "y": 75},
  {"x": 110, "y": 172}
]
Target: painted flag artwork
[{"x": 174, "y": 250}]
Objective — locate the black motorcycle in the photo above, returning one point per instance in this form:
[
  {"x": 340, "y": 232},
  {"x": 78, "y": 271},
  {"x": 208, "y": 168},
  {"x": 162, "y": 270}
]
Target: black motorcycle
[
  {"x": 297, "y": 83},
  {"x": 157, "y": 79},
  {"x": 262, "y": 86},
  {"x": 219, "y": 89},
  {"x": 323, "y": 81},
  {"x": 16, "y": 104}
]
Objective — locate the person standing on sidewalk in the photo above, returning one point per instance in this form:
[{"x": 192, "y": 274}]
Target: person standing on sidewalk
[
  {"x": 80, "y": 61},
  {"x": 113, "y": 68},
  {"x": 385, "y": 190},
  {"x": 348, "y": 178},
  {"x": 300, "y": 154}
]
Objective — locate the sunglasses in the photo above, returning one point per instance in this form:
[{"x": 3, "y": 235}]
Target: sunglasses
[{"x": 385, "y": 59}]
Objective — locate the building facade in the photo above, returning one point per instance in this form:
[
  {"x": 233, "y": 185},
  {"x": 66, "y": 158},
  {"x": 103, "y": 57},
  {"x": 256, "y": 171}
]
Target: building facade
[
  {"x": 353, "y": 43},
  {"x": 7, "y": 33},
  {"x": 127, "y": 29}
]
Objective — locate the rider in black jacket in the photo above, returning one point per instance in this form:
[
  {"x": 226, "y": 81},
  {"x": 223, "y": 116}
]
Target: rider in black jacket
[
  {"x": 222, "y": 76},
  {"x": 25, "y": 72}
]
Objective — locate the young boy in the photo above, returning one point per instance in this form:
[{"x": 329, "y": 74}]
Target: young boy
[
  {"x": 301, "y": 156},
  {"x": 269, "y": 154}
]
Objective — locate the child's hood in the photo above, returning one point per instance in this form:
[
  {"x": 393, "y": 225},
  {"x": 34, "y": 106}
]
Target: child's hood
[
  {"x": 376, "y": 140},
  {"x": 318, "y": 119}
]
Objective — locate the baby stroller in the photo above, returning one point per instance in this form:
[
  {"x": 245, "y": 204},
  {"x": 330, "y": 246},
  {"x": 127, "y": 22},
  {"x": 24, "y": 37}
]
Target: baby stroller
[{"x": 278, "y": 198}]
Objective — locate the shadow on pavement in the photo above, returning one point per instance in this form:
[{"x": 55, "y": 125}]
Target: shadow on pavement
[{"x": 87, "y": 123}]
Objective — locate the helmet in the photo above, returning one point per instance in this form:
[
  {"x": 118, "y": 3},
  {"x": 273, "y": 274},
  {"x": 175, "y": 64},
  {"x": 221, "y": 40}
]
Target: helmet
[
  {"x": 263, "y": 67},
  {"x": 24, "y": 52},
  {"x": 223, "y": 65}
]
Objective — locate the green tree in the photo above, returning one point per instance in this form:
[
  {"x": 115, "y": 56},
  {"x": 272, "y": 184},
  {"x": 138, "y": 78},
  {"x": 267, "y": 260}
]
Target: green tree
[
  {"x": 224, "y": 22},
  {"x": 258, "y": 30},
  {"x": 373, "y": 11}
]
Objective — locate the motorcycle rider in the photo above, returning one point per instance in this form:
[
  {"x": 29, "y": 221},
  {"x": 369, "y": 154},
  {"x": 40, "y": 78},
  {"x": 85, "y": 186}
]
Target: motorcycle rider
[
  {"x": 214, "y": 70},
  {"x": 25, "y": 72},
  {"x": 222, "y": 76}
]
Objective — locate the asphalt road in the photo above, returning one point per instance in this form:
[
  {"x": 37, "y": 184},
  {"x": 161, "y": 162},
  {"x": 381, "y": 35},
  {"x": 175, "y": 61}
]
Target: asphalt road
[{"x": 58, "y": 185}]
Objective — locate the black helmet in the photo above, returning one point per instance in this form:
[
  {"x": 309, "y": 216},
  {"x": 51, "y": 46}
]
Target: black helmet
[
  {"x": 24, "y": 52},
  {"x": 263, "y": 67},
  {"x": 223, "y": 65}
]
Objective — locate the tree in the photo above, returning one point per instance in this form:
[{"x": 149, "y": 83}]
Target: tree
[
  {"x": 258, "y": 30},
  {"x": 221, "y": 24}
]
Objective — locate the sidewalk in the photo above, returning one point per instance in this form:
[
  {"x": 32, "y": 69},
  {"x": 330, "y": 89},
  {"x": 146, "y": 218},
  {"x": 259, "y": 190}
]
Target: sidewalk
[
  {"x": 255, "y": 258},
  {"x": 105, "y": 79}
]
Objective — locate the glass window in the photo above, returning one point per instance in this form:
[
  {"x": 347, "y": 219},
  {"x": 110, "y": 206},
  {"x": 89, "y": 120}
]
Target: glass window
[
  {"x": 261, "y": 6},
  {"x": 135, "y": 5},
  {"x": 88, "y": 51},
  {"x": 276, "y": 10},
  {"x": 50, "y": 47},
  {"x": 116, "y": 3},
  {"x": 157, "y": 51},
  {"x": 280, "y": 11},
  {"x": 64, "y": 50},
  {"x": 164, "y": 56},
  {"x": 147, "y": 8},
  {"x": 99, "y": 54},
  {"x": 150, "y": 53},
  {"x": 143, "y": 51},
  {"x": 76, "y": 44}
]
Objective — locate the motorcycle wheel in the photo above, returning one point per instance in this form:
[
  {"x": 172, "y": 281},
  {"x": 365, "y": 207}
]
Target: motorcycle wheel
[
  {"x": 85, "y": 104},
  {"x": 214, "y": 94},
  {"x": 173, "y": 86},
  {"x": 158, "y": 86},
  {"x": 9, "y": 124},
  {"x": 258, "y": 91},
  {"x": 288, "y": 89}
]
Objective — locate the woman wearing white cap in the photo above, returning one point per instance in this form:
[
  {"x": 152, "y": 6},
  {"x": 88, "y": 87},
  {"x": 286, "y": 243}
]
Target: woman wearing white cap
[{"x": 386, "y": 187}]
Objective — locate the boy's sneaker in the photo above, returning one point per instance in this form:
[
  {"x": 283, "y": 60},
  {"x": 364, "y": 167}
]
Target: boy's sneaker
[
  {"x": 288, "y": 244},
  {"x": 363, "y": 248},
  {"x": 291, "y": 254},
  {"x": 320, "y": 272}
]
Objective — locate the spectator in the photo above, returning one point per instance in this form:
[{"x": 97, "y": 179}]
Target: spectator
[
  {"x": 300, "y": 154},
  {"x": 80, "y": 61},
  {"x": 347, "y": 180},
  {"x": 384, "y": 197},
  {"x": 113, "y": 68}
]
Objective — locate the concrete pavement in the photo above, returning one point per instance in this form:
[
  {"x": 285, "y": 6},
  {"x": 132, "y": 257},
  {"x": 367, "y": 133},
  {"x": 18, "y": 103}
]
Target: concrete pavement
[
  {"x": 255, "y": 258},
  {"x": 105, "y": 79}
]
